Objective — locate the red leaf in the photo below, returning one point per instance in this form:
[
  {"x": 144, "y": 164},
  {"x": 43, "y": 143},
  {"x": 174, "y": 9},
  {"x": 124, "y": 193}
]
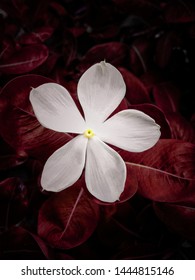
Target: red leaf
[
  {"x": 106, "y": 33},
  {"x": 146, "y": 8},
  {"x": 67, "y": 219},
  {"x": 113, "y": 52},
  {"x": 10, "y": 161},
  {"x": 155, "y": 113},
  {"x": 177, "y": 218},
  {"x": 48, "y": 251},
  {"x": 28, "y": 135},
  {"x": 180, "y": 12},
  {"x": 164, "y": 48},
  {"x": 136, "y": 92},
  {"x": 167, "y": 97},
  {"x": 122, "y": 106},
  {"x": 141, "y": 53},
  {"x": 7, "y": 48},
  {"x": 20, "y": 6},
  {"x": 8, "y": 157},
  {"x": 181, "y": 128},
  {"x": 19, "y": 127},
  {"x": 37, "y": 36},
  {"x": 58, "y": 8},
  {"x": 165, "y": 172},
  {"x": 19, "y": 243},
  {"x": 24, "y": 60},
  {"x": 13, "y": 202}
]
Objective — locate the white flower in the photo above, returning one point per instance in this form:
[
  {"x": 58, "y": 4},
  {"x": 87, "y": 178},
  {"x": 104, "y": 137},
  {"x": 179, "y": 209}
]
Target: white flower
[{"x": 100, "y": 90}]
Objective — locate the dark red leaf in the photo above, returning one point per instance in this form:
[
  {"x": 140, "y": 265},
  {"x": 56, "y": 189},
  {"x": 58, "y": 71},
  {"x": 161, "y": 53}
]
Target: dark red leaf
[
  {"x": 165, "y": 45},
  {"x": 20, "y": 6},
  {"x": 28, "y": 135},
  {"x": 178, "y": 218},
  {"x": 10, "y": 161},
  {"x": 67, "y": 219},
  {"x": 112, "y": 233},
  {"x": 152, "y": 78},
  {"x": 37, "y": 36},
  {"x": 19, "y": 127},
  {"x": 24, "y": 60},
  {"x": 58, "y": 8},
  {"x": 141, "y": 7},
  {"x": 13, "y": 202},
  {"x": 136, "y": 92},
  {"x": 7, "y": 48},
  {"x": 49, "y": 65},
  {"x": 16, "y": 92},
  {"x": 48, "y": 252},
  {"x": 180, "y": 12},
  {"x": 107, "y": 211},
  {"x": 77, "y": 31},
  {"x": 167, "y": 97},
  {"x": 68, "y": 47},
  {"x": 155, "y": 113},
  {"x": 122, "y": 106},
  {"x": 181, "y": 128},
  {"x": 18, "y": 243},
  {"x": 106, "y": 33},
  {"x": 165, "y": 172},
  {"x": 141, "y": 56},
  {"x": 131, "y": 185},
  {"x": 8, "y": 157},
  {"x": 113, "y": 52}
]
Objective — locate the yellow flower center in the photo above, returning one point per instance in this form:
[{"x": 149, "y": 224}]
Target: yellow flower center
[{"x": 88, "y": 133}]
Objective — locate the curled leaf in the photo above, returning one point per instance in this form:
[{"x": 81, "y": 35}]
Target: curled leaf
[
  {"x": 165, "y": 172},
  {"x": 113, "y": 52},
  {"x": 178, "y": 218},
  {"x": 24, "y": 60},
  {"x": 19, "y": 127},
  {"x": 136, "y": 92},
  {"x": 67, "y": 219}
]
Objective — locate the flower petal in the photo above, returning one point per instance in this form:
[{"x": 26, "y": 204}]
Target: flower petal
[
  {"x": 131, "y": 130},
  {"x": 100, "y": 90},
  {"x": 105, "y": 172},
  {"x": 55, "y": 108},
  {"x": 64, "y": 167}
]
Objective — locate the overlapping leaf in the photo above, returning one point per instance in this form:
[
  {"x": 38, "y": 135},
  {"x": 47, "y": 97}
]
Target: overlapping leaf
[
  {"x": 26, "y": 135},
  {"x": 165, "y": 172},
  {"x": 24, "y": 60},
  {"x": 67, "y": 219},
  {"x": 177, "y": 218}
]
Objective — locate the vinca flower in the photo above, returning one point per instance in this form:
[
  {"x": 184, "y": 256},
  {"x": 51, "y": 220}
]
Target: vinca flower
[{"x": 100, "y": 90}]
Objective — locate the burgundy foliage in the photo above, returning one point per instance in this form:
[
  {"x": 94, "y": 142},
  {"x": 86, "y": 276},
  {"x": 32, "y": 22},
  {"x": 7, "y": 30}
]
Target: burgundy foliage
[
  {"x": 24, "y": 60},
  {"x": 152, "y": 44},
  {"x": 165, "y": 172},
  {"x": 67, "y": 219}
]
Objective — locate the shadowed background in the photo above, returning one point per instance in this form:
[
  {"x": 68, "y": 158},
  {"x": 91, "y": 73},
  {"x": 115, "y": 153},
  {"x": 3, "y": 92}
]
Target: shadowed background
[{"x": 152, "y": 44}]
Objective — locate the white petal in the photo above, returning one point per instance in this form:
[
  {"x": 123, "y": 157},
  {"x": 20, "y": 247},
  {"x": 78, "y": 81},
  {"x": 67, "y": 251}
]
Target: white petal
[
  {"x": 55, "y": 108},
  {"x": 105, "y": 172},
  {"x": 64, "y": 166},
  {"x": 100, "y": 90},
  {"x": 131, "y": 130}
]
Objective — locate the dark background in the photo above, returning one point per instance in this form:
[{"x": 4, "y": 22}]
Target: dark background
[{"x": 152, "y": 43}]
